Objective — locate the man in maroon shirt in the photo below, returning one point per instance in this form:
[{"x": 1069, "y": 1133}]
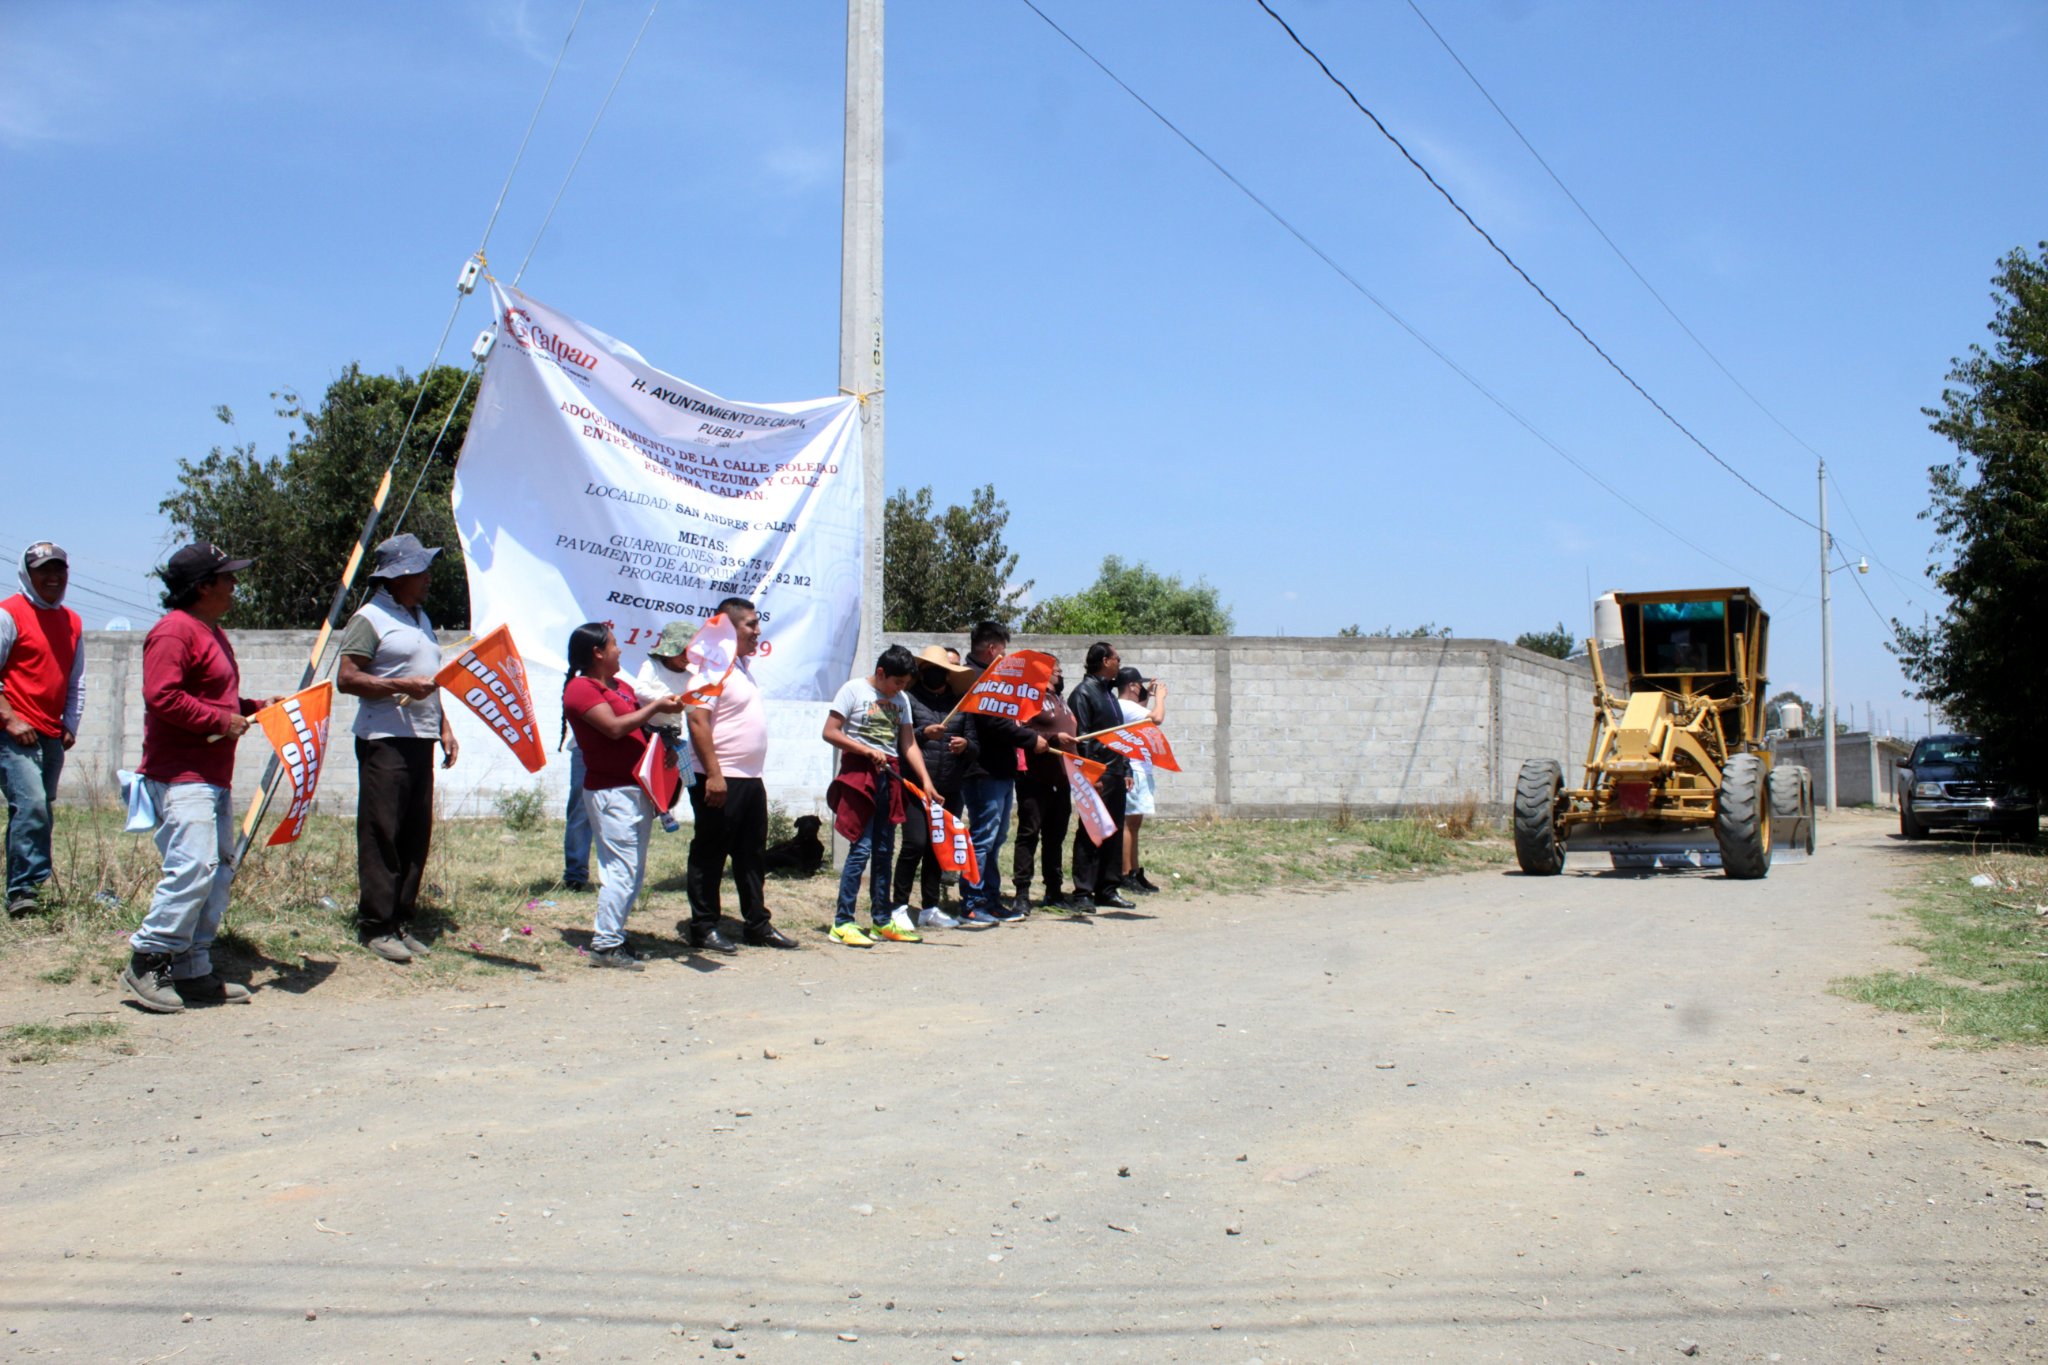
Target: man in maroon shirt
[{"x": 193, "y": 713}]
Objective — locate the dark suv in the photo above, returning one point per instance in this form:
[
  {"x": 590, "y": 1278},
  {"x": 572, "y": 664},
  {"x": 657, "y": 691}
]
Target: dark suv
[{"x": 1947, "y": 783}]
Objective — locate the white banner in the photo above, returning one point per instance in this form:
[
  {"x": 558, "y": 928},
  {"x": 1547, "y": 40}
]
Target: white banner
[{"x": 594, "y": 487}]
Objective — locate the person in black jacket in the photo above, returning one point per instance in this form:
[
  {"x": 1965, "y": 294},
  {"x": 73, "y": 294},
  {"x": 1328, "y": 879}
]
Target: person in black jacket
[
  {"x": 942, "y": 738},
  {"x": 1098, "y": 868},
  {"x": 990, "y": 783}
]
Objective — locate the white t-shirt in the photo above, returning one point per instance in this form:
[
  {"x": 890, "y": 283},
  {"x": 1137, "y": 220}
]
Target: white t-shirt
[{"x": 870, "y": 717}]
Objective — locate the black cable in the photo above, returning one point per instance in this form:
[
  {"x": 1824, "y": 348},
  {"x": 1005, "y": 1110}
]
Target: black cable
[
  {"x": 1612, "y": 363},
  {"x": 1380, "y": 303},
  {"x": 1651, "y": 289}
]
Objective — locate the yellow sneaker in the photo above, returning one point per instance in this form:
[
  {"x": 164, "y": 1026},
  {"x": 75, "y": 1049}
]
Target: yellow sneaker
[
  {"x": 851, "y": 936},
  {"x": 896, "y": 933}
]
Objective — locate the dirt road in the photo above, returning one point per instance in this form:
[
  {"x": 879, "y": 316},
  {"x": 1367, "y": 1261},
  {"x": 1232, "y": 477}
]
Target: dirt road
[{"x": 1479, "y": 1118}]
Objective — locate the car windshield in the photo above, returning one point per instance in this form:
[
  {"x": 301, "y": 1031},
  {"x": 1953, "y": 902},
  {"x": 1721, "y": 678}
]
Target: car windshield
[{"x": 1948, "y": 749}]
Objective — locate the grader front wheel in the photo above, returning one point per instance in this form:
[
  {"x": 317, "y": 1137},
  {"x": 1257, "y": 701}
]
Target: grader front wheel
[
  {"x": 1539, "y": 801},
  {"x": 1742, "y": 819}
]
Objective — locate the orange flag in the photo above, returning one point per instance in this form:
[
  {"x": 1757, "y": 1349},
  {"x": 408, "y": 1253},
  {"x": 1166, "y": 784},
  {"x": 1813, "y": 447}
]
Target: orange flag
[
  {"x": 1014, "y": 686},
  {"x": 1088, "y": 802},
  {"x": 297, "y": 728},
  {"x": 490, "y": 678},
  {"x": 1137, "y": 741},
  {"x": 950, "y": 842}
]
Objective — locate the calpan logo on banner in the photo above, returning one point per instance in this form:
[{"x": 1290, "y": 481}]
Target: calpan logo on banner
[
  {"x": 297, "y": 728},
  {"x": 594, "y": 487},
  {"x": 490, "y": 679}
]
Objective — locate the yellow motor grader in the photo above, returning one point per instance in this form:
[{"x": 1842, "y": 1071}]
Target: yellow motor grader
[{"x": 1677, "y": 771}]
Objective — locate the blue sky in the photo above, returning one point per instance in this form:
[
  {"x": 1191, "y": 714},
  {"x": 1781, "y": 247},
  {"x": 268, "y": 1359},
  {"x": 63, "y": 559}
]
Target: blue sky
[{"x": 205, "y": 202}]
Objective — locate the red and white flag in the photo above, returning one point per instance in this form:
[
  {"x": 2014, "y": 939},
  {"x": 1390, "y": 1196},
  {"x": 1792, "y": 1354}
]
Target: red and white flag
[
  {"x": 658, "y": 774},
  {"x": 297, "y": 728},
  {"x": 1141, "y": 740},
  {"x": 1014, "y": 686},
  {"x": 1088, "y": 802},
  {"x": 951, "y": 843},
  {"x": 490, "y": 679}
]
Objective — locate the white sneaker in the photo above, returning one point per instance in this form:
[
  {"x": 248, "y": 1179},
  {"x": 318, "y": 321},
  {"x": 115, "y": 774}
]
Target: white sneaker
[
  {"x": 931, "y": 917},
  {"x": 901, "y": 918}
]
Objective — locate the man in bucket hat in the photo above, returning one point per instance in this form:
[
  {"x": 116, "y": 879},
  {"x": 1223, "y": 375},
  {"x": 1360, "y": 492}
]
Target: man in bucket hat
[
  {"x": 389, "y": 656},
  {"x": 42, "y": 692},
  {"x": 193, "y": 712}
]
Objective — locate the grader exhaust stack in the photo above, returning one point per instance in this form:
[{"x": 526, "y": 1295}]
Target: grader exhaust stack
[{"x": 1677, "y": 769}]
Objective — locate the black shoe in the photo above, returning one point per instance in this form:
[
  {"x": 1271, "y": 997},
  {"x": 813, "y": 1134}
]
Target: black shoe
[
  {"x": 1110, "y": 900},
  {"x": 1020, "y": 904},
  {"x": 570, "y": 885},
  {"x": 711, "y": 940},
  {"x": 768, "y": 936},
  {"x": 621, "y": 958},
  {"x": 211, "y": 990},
  {"x": 1141, "y": 882}
]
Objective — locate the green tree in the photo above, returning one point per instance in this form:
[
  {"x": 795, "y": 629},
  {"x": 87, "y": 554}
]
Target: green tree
[
  {"x": 1130, "y": 599},
  {"x": 1558, "y": 644},
  {"x": 1985, "y": 661},
  {"x": 947, "y": 570},
  {"x": 299, "y": 514},
  {"x": 1428, "y": 630},
  {"x": 1350, "y": 632}
]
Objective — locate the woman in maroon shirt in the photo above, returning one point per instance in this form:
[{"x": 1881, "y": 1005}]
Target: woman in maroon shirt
[{"x": 606, "y": 718}]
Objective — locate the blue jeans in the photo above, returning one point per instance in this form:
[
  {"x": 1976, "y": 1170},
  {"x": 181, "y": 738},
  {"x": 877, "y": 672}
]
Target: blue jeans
[
  {"x": 197, "y": 840},
  {"x": 988, "y": 802},
  {"x": 877, "y": 845},
  {"x": 28, "y": 773},
  {"x": 622, "y": 818},
  {"x": 576, "y": 838}
]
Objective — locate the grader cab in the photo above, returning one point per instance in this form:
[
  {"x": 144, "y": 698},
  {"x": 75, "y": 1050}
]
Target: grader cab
[{"x": 1677, "y": 770}]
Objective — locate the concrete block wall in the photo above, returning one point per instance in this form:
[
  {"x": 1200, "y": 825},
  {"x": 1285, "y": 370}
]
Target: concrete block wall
[{"x": 1262, "y": 725}]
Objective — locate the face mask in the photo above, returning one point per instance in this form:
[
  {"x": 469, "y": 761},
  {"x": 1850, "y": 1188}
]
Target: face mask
[{"x": 932, "y": 679}]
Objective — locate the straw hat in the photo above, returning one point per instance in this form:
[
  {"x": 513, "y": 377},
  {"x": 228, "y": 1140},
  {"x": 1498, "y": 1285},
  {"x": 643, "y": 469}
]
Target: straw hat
[{"x": 959, "y": 677}]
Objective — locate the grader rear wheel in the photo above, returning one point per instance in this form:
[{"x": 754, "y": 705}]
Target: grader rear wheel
[
  {"x": 1539, "y": 801},
  {"x": 1742, "y": 820},
  {"x": 1791, "y": 791}
]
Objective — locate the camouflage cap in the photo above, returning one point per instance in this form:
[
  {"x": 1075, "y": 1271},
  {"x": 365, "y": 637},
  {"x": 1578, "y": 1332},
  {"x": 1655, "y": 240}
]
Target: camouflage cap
[{"x": 675, "y": 638}]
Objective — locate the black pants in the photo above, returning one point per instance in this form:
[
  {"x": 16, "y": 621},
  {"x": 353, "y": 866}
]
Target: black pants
[
  {"x": 1043, "y": 810},
  {"x": 915, "y": 860},
  {"x": 394, "y": 830},
  {"x": 1099, "y": 868},
  {"x": 737, "y": 830}
]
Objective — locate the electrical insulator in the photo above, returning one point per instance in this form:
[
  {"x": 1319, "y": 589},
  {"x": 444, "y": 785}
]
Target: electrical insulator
[
  {"x": 485, "y": 339},
  {"x": 471, "y": 269}
]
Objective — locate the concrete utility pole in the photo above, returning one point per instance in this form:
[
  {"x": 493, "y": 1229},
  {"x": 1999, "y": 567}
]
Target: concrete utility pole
[
  {"x": 1827, "y": 647},
  {"x": 860, "y": 291}
]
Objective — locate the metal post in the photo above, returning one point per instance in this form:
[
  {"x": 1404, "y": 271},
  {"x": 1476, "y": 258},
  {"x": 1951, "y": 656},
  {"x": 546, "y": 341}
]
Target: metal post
[
  {"x": 1827, "y": 649},
  {"x": 860, "y": 290}
]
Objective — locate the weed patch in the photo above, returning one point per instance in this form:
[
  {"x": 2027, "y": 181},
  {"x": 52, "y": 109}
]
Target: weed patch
[
  {"x": 42, "y": 1043},
  {"x": 1982, "y": 921}
]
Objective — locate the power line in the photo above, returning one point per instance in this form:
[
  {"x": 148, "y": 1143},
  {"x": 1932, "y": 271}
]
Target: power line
[
  {"x": 592, "y": 132},
  {"x": 1514, "y": 265},
  {"x": 1651, "y": 289},
  {"x": 1380, "y": 303}
]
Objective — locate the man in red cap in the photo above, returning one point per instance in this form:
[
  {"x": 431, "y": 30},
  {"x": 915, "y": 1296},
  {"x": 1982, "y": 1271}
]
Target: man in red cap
[
  {"x": 42, "y": 690},
  {"x": 193, "y": 713}
]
